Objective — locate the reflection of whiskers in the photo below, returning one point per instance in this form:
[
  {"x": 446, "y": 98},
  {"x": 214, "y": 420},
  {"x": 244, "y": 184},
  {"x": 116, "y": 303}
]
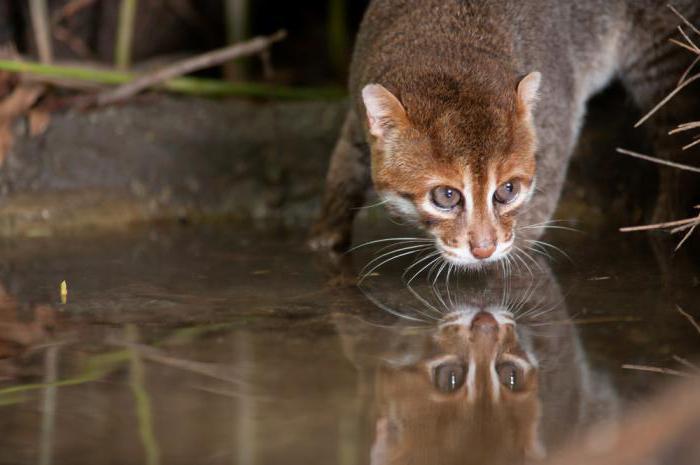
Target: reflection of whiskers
[
  {"x": 406, "y": 246},
  {"x": 395, "y": 312}
]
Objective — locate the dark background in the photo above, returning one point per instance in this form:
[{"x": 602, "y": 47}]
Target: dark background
[{"x": 167, "y": 27}]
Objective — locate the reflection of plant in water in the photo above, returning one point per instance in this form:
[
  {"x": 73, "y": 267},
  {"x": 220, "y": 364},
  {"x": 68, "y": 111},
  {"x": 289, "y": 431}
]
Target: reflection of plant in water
[
  {"x": 99, "y": 366},
  {"x": 692, "y": 370},
  {"x": 142, "y": 399},
  {"x": 17, "y": 335}
]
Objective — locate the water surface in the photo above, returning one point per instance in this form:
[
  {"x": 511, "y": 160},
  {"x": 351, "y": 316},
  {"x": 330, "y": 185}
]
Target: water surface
[{"x": 233, "y": 344}]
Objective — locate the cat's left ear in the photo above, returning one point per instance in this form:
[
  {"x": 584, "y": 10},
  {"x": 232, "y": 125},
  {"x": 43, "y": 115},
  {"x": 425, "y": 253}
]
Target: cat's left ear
[
  {"x": 384, "y": 111},
  {"x": 528, "y": 92}
]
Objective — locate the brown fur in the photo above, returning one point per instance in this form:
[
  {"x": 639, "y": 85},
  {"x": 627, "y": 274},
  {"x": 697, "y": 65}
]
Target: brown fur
[
  {"x": 415, "y": 423},
  {"x": 444, "y": 77}
]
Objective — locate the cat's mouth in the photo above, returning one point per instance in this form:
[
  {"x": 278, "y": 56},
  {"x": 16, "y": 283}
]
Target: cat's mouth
[{"x": 464, "y": 258}]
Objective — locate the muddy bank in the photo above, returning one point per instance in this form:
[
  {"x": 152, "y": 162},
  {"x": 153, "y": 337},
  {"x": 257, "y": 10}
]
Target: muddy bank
[
  {"x": 165, "y": 158},
  {"x": 168, "y": 158}
]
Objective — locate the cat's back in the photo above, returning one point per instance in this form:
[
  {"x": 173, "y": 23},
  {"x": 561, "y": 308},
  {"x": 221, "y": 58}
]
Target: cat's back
[{"x": 400, "y": 37}]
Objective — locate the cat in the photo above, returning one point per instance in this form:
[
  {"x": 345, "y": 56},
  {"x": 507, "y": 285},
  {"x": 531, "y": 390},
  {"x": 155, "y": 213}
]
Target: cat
[
  {"x": 464, "y": 113},
  {"x": 487, "y": 382}
]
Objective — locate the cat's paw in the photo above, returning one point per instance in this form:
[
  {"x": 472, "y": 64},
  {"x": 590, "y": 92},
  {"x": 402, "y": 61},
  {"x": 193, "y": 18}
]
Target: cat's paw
[{"x": 328, "y": 239}]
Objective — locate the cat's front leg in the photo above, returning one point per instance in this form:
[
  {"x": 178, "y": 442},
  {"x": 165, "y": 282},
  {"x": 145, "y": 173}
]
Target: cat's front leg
[{"x": 347, "y": 181}]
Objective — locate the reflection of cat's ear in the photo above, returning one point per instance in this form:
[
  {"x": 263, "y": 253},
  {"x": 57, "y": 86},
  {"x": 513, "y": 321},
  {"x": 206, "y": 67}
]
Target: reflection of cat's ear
[
  {"x": 535, "y": 451},
  {"x": 528, "y": 89},
  {"x": 384, "y": 111},
  {"x": 380, "y": 454}
]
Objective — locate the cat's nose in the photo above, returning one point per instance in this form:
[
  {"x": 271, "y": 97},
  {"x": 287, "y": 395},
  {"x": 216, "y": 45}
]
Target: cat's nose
[
  {"x": 483, "y": 249},
  {"x": 484, "y": 322}
]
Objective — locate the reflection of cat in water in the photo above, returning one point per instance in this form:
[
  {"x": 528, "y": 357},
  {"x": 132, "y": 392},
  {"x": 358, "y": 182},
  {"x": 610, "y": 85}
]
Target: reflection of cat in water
[{"x": 492, "y": 382}]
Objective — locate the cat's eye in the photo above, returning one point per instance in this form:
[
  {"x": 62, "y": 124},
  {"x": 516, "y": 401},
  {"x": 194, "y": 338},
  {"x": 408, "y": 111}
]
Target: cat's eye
[
  {"x": 449, "y": 377},
  {"x": 507, "y": 192},
  {"x": 445, "y": 197},
  {"x": 511, "y": 376}
]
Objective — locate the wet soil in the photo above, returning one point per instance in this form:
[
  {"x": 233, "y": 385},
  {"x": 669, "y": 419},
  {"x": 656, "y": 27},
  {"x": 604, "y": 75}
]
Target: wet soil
[{"x": 233, "y": 344}]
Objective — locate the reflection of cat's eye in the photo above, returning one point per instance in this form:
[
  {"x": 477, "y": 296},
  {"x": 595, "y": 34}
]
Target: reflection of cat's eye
[
  {"x": 507, "y": 192},
  {"x": 445, "y": 197},
  {"x": 449, "y": 377},
  {"x": 510, "y": 376}
]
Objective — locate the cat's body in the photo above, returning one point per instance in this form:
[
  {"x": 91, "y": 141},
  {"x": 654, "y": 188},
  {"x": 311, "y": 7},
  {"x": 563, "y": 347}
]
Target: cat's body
[{"x": 450, "y": 121}]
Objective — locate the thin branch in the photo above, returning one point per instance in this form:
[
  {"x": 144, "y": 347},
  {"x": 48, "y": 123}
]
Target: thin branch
[
  {"x": 683, "y": 45},
  {"x": 685, "y": 238},
  {"x": 688, "y": 23},
  {"x": 668, "y": 224},
  {"x": 689, "y": 317},
  {"x": 688, "y": 70},
  {"x": 125, "y": 34},
  {"x": 685, "y": 226},
  {"x": 686, "y": 363},
  {"x": 666, "y": 371},
  {"x": 685, "y": 126},
  {"x": 686, "y": 147},
  {"x": 42, "y": 31},
  {"x": 189, "y": 65},
  {"x": 59, "y": 74},
  {"x": 666, "y": 99},
  {"x": 660, "y": 161},
  {"x": 689, "y": 40}
]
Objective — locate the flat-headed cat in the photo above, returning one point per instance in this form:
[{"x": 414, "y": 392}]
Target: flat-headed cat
[
  {"x": 464, "y": 113},
  {"x": 485, "y": 383}
]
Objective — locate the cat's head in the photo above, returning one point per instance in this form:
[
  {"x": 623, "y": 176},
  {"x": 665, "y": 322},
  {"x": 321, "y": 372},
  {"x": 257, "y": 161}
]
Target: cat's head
[
  {"x": 457, "y": 161},
  {"x": 469, "y": 395}
]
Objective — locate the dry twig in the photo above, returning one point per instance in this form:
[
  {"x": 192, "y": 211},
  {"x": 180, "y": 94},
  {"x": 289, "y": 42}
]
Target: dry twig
[
  {"x": 686, "y": 363},
  {"x": 206, "y": 60},
  {"x": 689, "y": 317},
  {"x": 665, "y": 100},
  {"x": 40, "y": 23},
  {"x": 660, "y": 161},
  {"x": 666, "y": 371},
  {"x": 688, "y": 224}
]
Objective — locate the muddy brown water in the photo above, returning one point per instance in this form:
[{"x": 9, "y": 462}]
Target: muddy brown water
[{"x": 234, "y": 345}]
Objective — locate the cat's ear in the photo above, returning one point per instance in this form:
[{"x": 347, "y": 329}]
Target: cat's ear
[
  {"x": 384, "y": 111},
  {"x": 535, "y": 451},
  {"x": 528, "y": 92}
]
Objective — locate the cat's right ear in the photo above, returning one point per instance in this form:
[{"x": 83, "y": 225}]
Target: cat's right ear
[
  {"x": 528, "y": 93},
  {"x": 384, "y": 111}
]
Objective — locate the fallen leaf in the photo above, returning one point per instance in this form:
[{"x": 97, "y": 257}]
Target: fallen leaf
[
  {"x": 6, "y": 139},
  {"x": 39, "y": 120},
  {"x": 22, "y": 98}
]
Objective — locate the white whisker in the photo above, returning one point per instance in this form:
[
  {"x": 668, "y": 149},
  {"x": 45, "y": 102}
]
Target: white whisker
[
  {"x": 547, "y": 244},
  {"x": 395, "y": 239}
]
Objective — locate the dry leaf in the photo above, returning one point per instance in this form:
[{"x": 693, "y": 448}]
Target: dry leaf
[
  {"x": 38, "y": 122},
  {"x": 20, "y": 100},
  {"x": 6, "y": 139}
]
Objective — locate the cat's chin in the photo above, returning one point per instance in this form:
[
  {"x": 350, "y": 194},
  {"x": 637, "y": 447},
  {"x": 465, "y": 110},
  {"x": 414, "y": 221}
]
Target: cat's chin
[
  {"x": 464, "y": 259},
  {"x": 470, "y": 264}
]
